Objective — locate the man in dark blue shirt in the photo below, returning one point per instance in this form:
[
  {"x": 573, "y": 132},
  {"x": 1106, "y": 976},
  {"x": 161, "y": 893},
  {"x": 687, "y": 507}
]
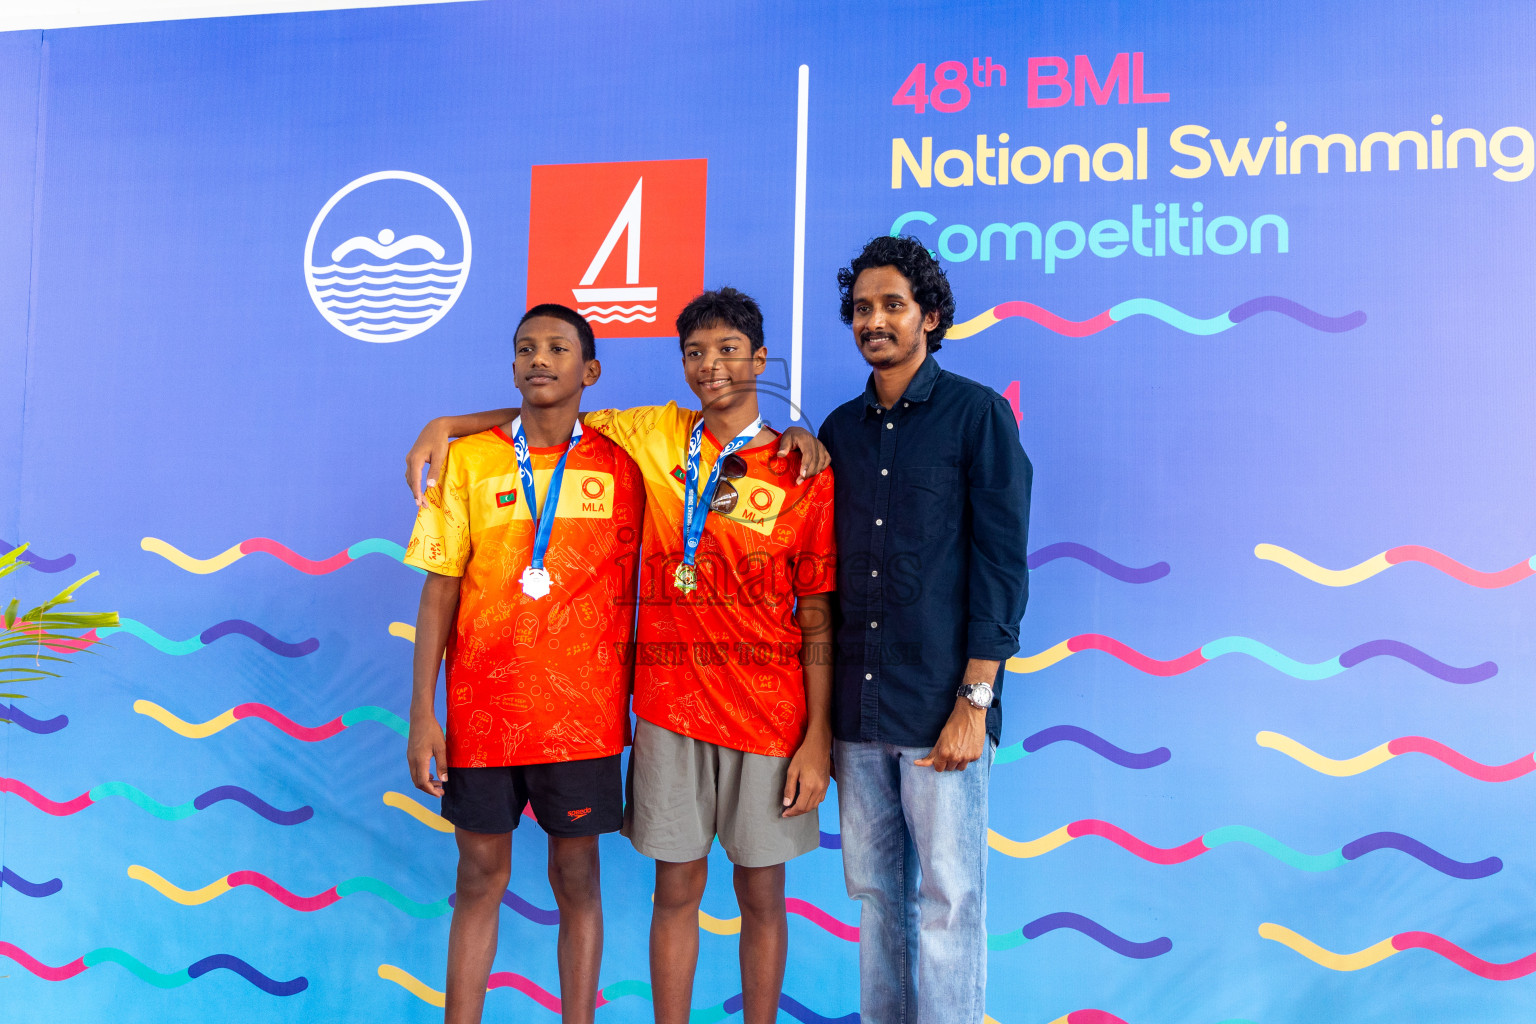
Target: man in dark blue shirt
[{"x": 932, "y": 499}]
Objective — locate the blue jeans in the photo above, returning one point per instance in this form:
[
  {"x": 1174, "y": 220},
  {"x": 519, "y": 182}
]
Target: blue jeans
[{"x": 915, "y": 857}]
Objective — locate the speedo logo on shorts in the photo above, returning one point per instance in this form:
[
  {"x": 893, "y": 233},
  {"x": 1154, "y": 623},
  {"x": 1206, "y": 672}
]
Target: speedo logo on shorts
[{"x": 577, "y": 815}]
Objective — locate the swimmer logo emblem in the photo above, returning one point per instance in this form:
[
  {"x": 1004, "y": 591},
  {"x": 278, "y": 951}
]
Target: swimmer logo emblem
[{"x": 374, "y": 283}]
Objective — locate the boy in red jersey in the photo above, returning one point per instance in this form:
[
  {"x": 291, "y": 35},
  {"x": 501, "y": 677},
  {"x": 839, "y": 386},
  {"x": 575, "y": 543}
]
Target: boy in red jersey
[
  {"x": 530, "y": 546},
  {"x": 733, "y": 674}
]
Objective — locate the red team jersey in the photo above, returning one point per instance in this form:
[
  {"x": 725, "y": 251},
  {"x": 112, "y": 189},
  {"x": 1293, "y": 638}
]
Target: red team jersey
[
  {"x": 535, "y": 681},
  {"x": 722, "y": 664}
]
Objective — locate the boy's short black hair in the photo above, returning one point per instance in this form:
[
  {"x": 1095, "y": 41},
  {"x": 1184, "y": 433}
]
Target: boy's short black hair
[
  {"x": 724, "y": 307},
  {"x": 930, "y": 285},
  {"x": 570, "y": 316}
]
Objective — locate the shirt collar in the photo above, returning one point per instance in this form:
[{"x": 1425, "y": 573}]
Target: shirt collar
[{"x": 919, "y": 388}]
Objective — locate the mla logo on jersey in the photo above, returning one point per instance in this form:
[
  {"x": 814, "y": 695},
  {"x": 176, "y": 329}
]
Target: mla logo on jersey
[
  {"x": 622, "y": 242},
  {"x": 387, "y": 256}
]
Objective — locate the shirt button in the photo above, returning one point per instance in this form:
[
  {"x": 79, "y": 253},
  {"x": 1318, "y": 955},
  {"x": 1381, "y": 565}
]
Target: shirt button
[
  {"x": 885, "y": 472},
  {"x": 869, "y": 675},
  {"x": 905, "y": 404},
  {"x": 874, "y": 572},
  {"x": 874, "y": 625},
  {"x": 879, "y": 522},
  {"x": 890, "y": 426}
]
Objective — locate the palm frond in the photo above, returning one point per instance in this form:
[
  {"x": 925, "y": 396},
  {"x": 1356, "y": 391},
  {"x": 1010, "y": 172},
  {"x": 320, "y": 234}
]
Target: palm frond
[{"x": 27, "y": 635}]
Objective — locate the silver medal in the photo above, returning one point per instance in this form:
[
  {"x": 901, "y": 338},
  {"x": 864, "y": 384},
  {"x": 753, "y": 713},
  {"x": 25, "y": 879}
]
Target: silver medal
[{"x": 535, "y": 582}]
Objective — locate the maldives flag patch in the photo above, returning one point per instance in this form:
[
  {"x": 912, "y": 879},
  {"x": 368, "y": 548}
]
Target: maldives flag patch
[{"x": 505, "y": 498}]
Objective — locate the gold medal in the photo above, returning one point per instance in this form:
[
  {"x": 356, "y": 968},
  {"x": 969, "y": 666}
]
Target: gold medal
[{"x": 685, "y": 579}]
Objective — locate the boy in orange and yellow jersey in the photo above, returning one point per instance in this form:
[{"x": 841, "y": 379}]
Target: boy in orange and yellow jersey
[{"x": 530, "y": 545}]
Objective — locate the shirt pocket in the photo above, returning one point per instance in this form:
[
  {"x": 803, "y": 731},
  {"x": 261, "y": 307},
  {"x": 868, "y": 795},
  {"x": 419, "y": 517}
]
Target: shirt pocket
[{"x": 927, "y": 502}]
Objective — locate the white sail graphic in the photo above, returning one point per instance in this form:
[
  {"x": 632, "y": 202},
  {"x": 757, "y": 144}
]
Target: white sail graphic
[{"x": 627, "y": 223}]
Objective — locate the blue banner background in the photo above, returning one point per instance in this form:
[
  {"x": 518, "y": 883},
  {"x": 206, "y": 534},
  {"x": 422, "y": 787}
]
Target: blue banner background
[{"x": 171, "y": 378}]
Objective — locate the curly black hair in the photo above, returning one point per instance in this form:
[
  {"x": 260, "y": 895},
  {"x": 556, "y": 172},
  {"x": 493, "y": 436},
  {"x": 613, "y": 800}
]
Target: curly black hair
[
  {"x": 725, "y": 307},
  {"x": 570, "y": 316},
  {"x": 930, "y": 286}
]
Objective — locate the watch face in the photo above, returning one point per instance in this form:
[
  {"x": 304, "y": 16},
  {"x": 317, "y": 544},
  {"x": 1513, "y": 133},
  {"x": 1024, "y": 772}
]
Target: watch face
[{"x": 981, "y": 694}]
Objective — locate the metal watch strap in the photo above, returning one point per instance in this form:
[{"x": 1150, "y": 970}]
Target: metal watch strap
[{"x": 967, "y": 689}]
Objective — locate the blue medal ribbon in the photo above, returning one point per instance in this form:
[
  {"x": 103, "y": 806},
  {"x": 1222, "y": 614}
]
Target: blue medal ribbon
[
  {"x": 543, "y": 525},
  {"x": 693, "y": 514}
]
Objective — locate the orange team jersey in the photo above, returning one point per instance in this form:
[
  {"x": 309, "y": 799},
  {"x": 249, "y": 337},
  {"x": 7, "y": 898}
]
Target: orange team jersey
[
  {"x": 531, "y": 682},
  {"x": 722, "y": 664}
]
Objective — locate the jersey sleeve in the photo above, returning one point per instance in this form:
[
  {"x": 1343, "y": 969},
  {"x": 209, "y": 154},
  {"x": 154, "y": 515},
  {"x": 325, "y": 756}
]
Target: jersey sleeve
[
  {"x": 816, "y": 563},
  {"x": 630, "y": 428},
  {"x": 440, "y": 540}
]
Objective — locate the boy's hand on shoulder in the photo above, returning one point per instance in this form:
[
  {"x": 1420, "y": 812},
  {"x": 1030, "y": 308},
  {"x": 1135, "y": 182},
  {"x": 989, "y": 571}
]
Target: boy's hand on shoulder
[
  {"x": 429, "y": 452},
  {"x": 810, "y": 773},
  {"x": 424, "y": 745},
  {"x": 814, "y": 456}
]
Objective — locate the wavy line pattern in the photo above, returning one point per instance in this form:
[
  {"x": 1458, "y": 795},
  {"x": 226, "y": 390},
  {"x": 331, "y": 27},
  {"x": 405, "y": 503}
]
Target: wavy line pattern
[
  {"x": 165, "y": 812},
  {"x": 36, "y": 890},
  {"x": 109, "y": 954},
  {"x": 607, "y": 994},
  {"x": 1077, "y": 922},
  {"x": 267, "y": 546},
  {"x": 270, "y": 715},
  {"x": 336, "y": 893},
  {"x": 622, "y": 319},
  {"x": 378, "y": 546},
  {"x": 415, "y": 809},
  {"x": 37, "y": 561},
  {"x": 1076, "y": 734},
  {"x": 802, "y": 908},
  {"x": 1380, "y": 755},
  {"x": 1249, "y": 836},
  {"x": 1108, "y": 566},
  {"x": 1375, "y": 954},
  {"x": 512, "y": 901},
  {"x": 215, "y": 632},
  {"x": 1395, "y": 556},
  {"x": 1258, "y": 651},
  {"x": 42, "y": 726},
  {"x": 1174, "y": 318},
  {"x": 306, "y": 904}
]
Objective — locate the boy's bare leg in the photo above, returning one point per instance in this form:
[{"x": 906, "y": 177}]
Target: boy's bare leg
[
  {"x": 485, "y": 865},
  {"x": 576, "y": 880},
  {"x": 764, "y": 941},
  {"x": 675, "y": 937}
]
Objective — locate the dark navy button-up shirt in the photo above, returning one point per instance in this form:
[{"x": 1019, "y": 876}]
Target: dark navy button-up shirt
[{"x": 932, "y": 514}]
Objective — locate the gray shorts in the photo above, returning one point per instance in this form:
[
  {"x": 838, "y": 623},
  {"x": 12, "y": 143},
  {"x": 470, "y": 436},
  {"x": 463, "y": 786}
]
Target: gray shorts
[{"x": 682, "y": 792}]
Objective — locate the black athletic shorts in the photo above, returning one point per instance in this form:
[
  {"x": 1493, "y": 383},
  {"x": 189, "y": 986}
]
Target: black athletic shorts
[{"x": 569, "y": 798}]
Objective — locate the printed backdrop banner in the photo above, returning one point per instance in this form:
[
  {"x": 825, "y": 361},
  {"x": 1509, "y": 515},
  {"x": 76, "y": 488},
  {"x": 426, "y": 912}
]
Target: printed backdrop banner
[{"x": 1256, "y": 277}]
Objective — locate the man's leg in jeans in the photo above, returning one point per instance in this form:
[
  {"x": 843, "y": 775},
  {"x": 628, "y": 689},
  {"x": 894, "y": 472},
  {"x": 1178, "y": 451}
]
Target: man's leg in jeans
[
  {"x": 485, "y": 864},
  {"x": 947, "y": 815},
  {"x": 576, "y": 880},
  {"x": 764, "y": 941},
  {"x": 880, "y": 866}
]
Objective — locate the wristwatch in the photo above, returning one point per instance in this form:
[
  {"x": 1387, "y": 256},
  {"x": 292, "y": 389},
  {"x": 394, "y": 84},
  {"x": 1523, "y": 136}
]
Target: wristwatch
[{"x": 979, "y": 695}]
